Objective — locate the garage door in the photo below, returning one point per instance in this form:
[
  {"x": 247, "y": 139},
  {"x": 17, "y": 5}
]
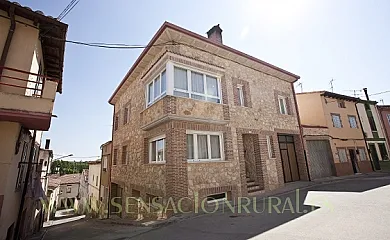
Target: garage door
[{"x": 320, "y": 158}]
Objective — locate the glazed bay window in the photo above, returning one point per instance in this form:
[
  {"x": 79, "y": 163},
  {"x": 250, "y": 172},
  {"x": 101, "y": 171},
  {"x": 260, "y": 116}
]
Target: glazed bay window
[
  {"x": 204, "y": 146},
  {"x": 157, "y": 88},
  {"x": 157, "y": 150},
  {"x": 195, "y": 85}
]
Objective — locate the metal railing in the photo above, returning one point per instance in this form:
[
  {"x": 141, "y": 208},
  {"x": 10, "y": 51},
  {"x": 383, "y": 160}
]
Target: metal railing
[{"x": 34, "y": 83}]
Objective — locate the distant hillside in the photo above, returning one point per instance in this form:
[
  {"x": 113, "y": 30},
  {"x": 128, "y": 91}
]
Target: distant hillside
[{"x": 67, "y": 167}]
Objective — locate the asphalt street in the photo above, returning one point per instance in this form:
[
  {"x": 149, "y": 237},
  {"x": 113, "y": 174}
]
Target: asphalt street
[{"x": 265, "y": 215}]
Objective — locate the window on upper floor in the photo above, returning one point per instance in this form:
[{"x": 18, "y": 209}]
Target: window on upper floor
[
  {"x": 124, "y": 155},
  {"x": 196, "y": 85},
  {"x": 352, "y": 122},
  {"x": 69, "y": 189},
  {"x": 204, "y": 146},
  {"x": 116, "y": 122},
  {"x": 341, "y": 104},
  {"x": 157, "y": 88},
  {"x": 282, "y": 105},
  {"x": 126, "y": 112},
  {"x": 104, "y": 163},
  {"x": 115, "y": 157},
  {"x": 336, "y": 119},
  {"x": 240, "y": 95},
  {"x": 157, "y": 150},
  {"x": 388, "y": 118}
]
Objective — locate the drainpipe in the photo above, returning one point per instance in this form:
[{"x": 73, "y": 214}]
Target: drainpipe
[
  {"x": 29, "y": 166},
  {"x": 301, "y": 131},
  {"x": 9, "y": 39},
  {"x": 110, "y": 165},
  {"x": 364, "y": 137}
]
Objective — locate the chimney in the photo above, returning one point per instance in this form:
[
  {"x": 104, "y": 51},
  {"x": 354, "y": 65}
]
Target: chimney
[
  {"x": 215, "y": 34},
  {"x": 47, "y": 144}
]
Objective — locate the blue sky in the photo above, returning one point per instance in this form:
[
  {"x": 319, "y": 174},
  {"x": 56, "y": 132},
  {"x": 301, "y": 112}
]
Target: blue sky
[{"x": 317, "y": 39}]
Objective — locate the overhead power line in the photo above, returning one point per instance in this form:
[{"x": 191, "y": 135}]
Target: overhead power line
[
  {"x": 388, "y": 91},
  {"x": 68, "y": 9}
]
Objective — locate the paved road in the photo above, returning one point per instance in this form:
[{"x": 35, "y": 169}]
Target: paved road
[{"x": 222, "y": 225}]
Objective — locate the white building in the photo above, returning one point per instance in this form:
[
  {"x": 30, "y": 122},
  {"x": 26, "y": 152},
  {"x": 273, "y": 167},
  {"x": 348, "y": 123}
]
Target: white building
[{"x": 93, "y": 185}]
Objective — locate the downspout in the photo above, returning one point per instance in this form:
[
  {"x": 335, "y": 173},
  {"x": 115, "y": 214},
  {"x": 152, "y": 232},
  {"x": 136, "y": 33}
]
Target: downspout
[
  {"x": 364, "y": 137},
  {"x": 9, "y": 39},
  {"x": 301, "y": 131},
  {"x": 29, "y": 166},
  {"x": 110, "y": 165}
]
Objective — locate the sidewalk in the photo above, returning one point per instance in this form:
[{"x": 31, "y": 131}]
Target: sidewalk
[{"x": 288, "y": 188}]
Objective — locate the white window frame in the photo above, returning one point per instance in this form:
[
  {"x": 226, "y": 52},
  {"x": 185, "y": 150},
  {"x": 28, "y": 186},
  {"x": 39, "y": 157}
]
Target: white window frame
[
  {"x": 349, "y": 120},
  {"x": 241, "y": 100},
  {"x": 334, "y": 125},
  {"x": 284, "y": 105},
  {"x": 162, "y": 137},
  {"x": 189, "y": 84},
  {"x": 208, "y": 134},
  {"x": 152, "y": 82},
  {"x": 270, "y": 152}
]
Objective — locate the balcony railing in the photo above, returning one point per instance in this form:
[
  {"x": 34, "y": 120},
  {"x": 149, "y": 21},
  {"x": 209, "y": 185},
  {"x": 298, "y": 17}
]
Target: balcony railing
[{"x": 21, "y": 82}]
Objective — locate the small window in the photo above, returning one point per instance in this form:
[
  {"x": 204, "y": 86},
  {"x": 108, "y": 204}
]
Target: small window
[
  {"x": 104, "y": 163},
  {"x": 115, "y": 158},
  {"x": 69, "y": 189},
  {"x": 388, "y": 118},
  {"x": 341, "y": 104},
  {"x": 362, "y": 154},
  {"x": 342, "y": 155},
  {"x": 204, "y": 146},
  {"x": 157, "y": 150},
  {"x": 216, "y": 197},
  {"x": 282, "y": 105},
  {"x": 126, "y": 115},
  {"x": 240, "y": 95},
  {"x": 352, "y": 121},
  {"x": 157, "y": 88},
  {"x": 97, "y": 181},
  {"x": 124, "y": 155},
  {"x": 271, "y": 147},
  {"x": 116, "y": 122},
  {"x": 336, "y": 121}
]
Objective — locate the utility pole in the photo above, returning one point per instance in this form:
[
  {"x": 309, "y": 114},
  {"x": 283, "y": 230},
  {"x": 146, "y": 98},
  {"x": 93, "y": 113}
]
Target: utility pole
[{"x": 331, "y": 84}]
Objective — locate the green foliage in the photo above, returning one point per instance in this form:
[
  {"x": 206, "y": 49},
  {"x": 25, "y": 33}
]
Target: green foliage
[{"x": 67, "y": 167}]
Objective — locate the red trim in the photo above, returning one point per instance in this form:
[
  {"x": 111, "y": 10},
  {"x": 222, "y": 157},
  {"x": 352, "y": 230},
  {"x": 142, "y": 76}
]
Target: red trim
[
  {"x": 200, "y": 37},
  {"x": 30, "y": 120}
]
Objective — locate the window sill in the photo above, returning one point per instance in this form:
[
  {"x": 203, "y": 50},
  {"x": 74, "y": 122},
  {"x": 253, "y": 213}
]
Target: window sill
[
  {"x": 157, "y": 163},
  {"x": 209, "y": 161}
]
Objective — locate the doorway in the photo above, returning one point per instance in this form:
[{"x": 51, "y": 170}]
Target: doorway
[
  {"x": 289, "y": 158},
  {"x": 374, "y": 155},
  {"x": 116, "y": 196},
  {"x": 352, "y": 156},
  {"x": 253, "y": 168}
]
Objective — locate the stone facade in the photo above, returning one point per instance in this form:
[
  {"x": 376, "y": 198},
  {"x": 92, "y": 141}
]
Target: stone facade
[{"x": 172, "y": 116}]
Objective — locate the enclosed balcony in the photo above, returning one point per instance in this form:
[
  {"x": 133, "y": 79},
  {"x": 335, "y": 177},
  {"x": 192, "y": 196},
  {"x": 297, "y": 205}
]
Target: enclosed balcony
[{"x": 27, "y": 98}]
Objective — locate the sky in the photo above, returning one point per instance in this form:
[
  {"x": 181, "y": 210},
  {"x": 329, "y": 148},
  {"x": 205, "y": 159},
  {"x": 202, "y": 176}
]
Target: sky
[{"x": 319, "y": 40}]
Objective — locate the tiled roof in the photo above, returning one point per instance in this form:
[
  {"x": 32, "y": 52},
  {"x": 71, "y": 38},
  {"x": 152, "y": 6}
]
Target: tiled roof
[{"x": 70, "y": 178}]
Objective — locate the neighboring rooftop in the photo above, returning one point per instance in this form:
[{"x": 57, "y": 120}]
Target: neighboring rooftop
[
  {"x": 53, "y": 34},
  {"x": 333, "y": 95},
  {"x": 94, "y": 162}
]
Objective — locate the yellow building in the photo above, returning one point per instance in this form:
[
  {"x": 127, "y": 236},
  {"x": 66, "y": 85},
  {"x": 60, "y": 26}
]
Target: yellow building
[
  {"x": 333, "y": 134},
  {"x": 31, "y": 65}
]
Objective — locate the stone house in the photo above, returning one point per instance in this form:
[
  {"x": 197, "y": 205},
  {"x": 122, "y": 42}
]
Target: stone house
[
  {"x": 196, "y": 117},
  {"x": 333, "y": 134}
]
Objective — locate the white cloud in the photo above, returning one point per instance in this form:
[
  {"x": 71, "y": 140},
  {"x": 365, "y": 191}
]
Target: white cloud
[{"x": 244, "y": 32}]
